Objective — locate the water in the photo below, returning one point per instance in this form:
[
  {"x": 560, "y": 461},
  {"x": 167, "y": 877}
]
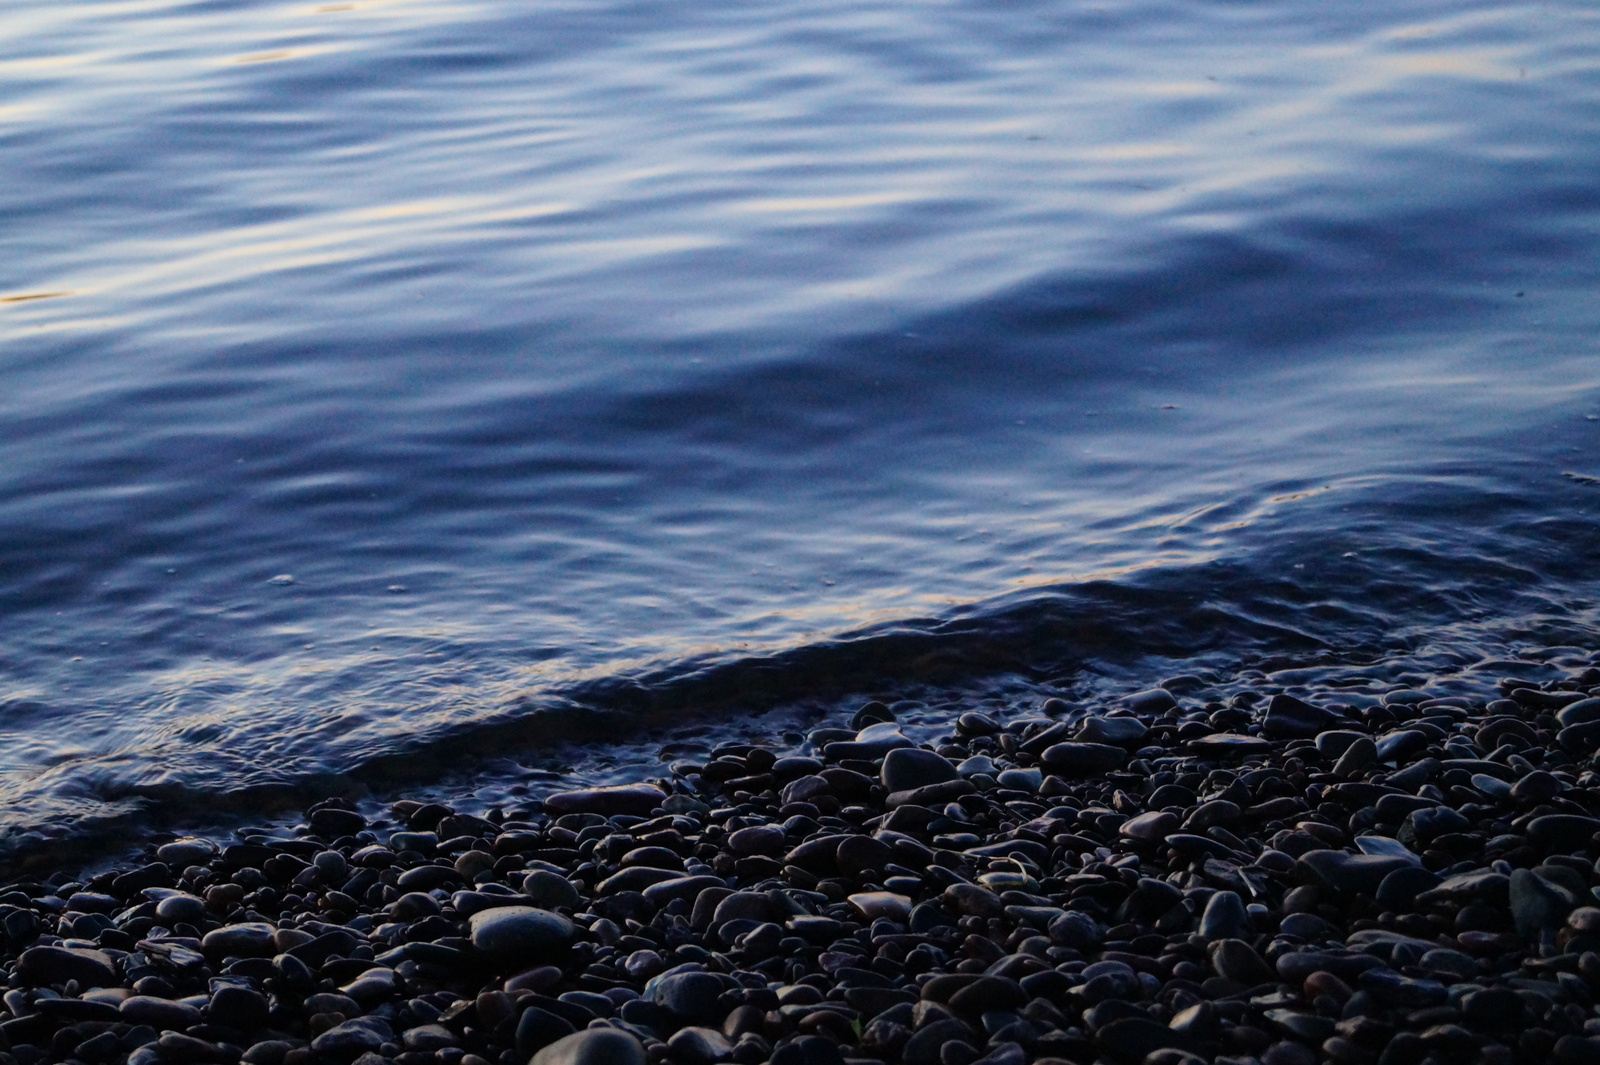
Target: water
[{"x": 387, "y": 382}]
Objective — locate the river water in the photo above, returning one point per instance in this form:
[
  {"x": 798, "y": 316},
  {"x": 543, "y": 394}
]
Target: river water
[{"x": 388, "y": 381}]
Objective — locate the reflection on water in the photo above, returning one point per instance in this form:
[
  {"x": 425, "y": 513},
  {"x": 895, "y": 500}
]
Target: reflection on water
[{"x": 639, "y": 357}]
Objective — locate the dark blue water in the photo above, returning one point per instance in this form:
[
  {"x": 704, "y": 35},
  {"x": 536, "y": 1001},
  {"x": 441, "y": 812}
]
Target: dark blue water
[{"x": 385, "y": 382}]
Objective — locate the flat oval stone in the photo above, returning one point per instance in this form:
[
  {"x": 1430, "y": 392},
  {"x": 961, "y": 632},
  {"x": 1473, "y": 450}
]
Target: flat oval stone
[
  {"x": 75, "y": 1010},
  {"x": 699, "y": 1046},
  {"x": 1334, "y": 742},
  {"x": 164, "y": 1015},
  {"x": 1288, "y": 718},
  {"x": 181, "y": 906},
  {"x": 1083, "y": 759},
  {"x": 1350, "y": 873},
  {"x": 182, "y": 853},
  {"x": 1228, "y": 745},
  {"x": 1133, "y": 1039},
  {"x": 430, "y": 1037},
  {"x": 548, "y": 889},
  {"x": 42, "y": 966},
  {"x": 1187, "y": 845},
  {"x": 1149, "y": 827},
  {"x": 1212, "y": 814},
  {"x": 875, "y": 904},
  {"x": 978, "y": 764},
  {"x": 1562, "y": 830},
  {"x": 351, "y": 1038},
  {"x": 1390, "y": 987},
  {"x": 756, "y": 839},
  {"x": 1400, "y": 745},
  {"x": 249, "y": 939},
  {"x": 1401, "y": 890},
  {"x": 1393, "y": 848},
  {"x": 913, "y": 767},
  {"x": 521, "y": 933},
  {"x": 1579, "y": 713},
  {"x": 874, "y": 741},
  {"x": 639, "y": 800},
  {"x": 635, "y": 878},
  {"x": 1028, "y": 780},
  {"x": 1117, "y": 730},
  {"x": 1294, "y": 967},
  {"x": 1478, "y": 885},
  {"x": 988, "y": 993},
  {"x": 743, "y": 906},
  {"x": 974, "y": 901},
  {"x": 1150, "y": 701},
  {"x": 856, "y": 854},
  {"x": 690, "y": 997},
  {"x": 1308, "y": 927}
]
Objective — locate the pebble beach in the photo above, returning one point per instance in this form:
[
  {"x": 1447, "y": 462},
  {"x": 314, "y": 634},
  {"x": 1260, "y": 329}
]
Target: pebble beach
[{"x": 1266, "y": 880}]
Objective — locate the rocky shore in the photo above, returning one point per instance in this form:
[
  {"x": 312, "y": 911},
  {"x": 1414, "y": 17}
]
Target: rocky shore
[{"x": 1261, "y": 881}]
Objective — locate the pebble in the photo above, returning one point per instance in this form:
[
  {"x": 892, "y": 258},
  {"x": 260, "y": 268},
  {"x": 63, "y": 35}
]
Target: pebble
[
  {"x": 248, "y": 939},
  {"x": 349, "y": 1039},
  {"x": 1289, "y": 718},
  {"x": 1117, "y": 730},
  {"x": 1236, "y": 960},
  {"x": 639, "y": 800},
  {"x": 1224, "y": 918},
  {"x": 48, "y": 965},
  {"x": 1083, "y": 759},
  {"x": 909, "y": 768},
  {"x": 688, "y": 996},
  {"x": 875, "y": 904},
  {"x": 548, "y": 889},
  {"x": 594, "y": 1046},
  {"x": 522, "y": 933},
  {"x": 1537, "y": 904},
  {"x": 1254, "y": 879}
]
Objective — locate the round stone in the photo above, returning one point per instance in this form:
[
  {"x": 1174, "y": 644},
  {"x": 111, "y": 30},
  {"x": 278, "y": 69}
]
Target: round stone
[
  {"x": 911, "y": 767},
  {"x": 248, "y": 939},
  {"x": 757, "y": 839},
  {"x": 592, "y": 1046},
  {"x": 182, "y": 853},
  {"x": 548, "y": 889},
  {"x": 1149, "y": 827},
  {"x": 521, "y": 934},
  {"x": 349, "y": 1039},
  {"x": 689, "y": 997}
]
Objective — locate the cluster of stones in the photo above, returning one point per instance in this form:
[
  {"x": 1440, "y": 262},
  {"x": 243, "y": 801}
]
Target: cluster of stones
[{"x": 1266, "y": 882}]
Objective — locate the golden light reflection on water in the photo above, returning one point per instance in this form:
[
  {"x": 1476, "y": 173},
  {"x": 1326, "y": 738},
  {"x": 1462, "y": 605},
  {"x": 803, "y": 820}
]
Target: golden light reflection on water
[
  {"x": 29, "y": 297},
  {"x": 775, "y": 205},
  {"x": 275, "y": 55}
]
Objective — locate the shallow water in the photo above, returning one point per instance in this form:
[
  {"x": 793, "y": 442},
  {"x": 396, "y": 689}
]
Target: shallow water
[{"x": 388, "y": 382}]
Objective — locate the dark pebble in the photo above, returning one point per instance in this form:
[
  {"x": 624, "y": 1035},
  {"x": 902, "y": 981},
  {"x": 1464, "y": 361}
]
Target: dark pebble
[{"x": 594, "y": 1046}]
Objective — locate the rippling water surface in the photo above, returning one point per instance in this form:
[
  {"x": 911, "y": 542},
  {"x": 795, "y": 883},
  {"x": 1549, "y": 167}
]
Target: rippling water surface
[{"x": 386, "y": 380}]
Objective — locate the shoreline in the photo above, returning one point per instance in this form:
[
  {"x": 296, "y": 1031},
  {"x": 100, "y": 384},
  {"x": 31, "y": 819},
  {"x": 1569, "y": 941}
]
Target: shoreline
[{"x": 1261, "y": 880}]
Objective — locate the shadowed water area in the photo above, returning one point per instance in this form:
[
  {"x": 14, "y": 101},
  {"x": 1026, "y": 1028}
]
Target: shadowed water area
[{"x": 389, "y": 383}]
